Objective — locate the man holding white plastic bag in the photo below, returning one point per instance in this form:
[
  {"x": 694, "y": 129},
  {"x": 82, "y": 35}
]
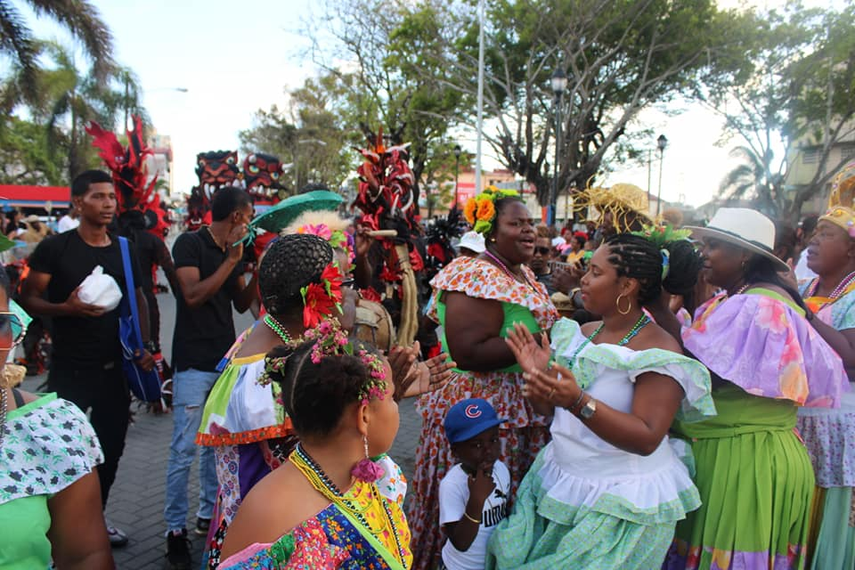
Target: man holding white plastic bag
[{"x": 86, "y": 366}]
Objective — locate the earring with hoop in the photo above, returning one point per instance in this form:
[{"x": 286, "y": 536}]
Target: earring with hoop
[{"x": 617, "y": 304}]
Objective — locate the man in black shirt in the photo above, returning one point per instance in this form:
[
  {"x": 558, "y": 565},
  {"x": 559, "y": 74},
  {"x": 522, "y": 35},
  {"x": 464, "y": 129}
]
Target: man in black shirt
[
  {"x": 208, "y": 265},
  {"x": 86, "y": 365}
]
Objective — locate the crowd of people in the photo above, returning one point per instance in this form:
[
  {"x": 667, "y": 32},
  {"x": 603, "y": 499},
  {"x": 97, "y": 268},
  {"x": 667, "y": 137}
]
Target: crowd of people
[{"x": 626, "y": 394}]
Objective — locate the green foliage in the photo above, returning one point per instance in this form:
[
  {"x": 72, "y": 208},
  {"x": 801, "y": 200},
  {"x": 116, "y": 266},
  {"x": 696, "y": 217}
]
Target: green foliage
[
  {"x": 66, "y": 98},
  {"x": 79, "y": 17},
  {"x": 795, "y": 92},
  {"x": 309, "y": 135},
  {"x": 620, "y": 57},
  {"x": 24, "y": 155}
]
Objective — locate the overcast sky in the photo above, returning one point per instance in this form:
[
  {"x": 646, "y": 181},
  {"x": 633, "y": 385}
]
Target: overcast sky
[{"x": 236, "y": 57}]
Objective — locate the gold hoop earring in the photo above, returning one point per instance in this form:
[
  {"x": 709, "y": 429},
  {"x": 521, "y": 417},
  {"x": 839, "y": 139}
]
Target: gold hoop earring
[{"x": 617, "y": 304}]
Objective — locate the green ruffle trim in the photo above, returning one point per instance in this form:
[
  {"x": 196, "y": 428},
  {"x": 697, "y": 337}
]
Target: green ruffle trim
[
  {"x": 612, "y": 505},
  {"x": 282, "y": 549},
  {"x": 693, "y": 376}
]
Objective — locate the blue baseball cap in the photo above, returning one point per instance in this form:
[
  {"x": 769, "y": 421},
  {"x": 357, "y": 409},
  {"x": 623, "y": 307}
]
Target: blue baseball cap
[{"x": 468, "y": 418}]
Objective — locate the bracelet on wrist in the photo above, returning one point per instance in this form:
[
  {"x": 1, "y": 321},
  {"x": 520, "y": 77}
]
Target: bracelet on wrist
[
  {"x": 572, "y": 408},
  {"x": 476, "y": 521}
]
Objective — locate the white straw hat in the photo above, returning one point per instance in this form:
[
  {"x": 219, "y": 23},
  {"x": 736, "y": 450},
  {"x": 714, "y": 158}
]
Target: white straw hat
[
  {"x": 473, "y": 241},
  {"x": 745, "y": 228}
]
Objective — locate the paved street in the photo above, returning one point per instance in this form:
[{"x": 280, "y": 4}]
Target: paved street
[{"x": 136, "y": 499}]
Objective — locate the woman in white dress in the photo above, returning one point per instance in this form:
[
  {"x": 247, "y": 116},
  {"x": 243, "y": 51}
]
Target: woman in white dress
[{"x": 608, "y": 490}]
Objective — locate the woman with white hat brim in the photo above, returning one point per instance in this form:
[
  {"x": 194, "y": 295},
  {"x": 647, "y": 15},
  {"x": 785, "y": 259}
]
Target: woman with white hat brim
[{"x": 753, "y": 473}]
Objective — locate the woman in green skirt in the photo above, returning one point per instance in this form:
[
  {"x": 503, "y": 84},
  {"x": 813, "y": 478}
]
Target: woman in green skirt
[{"x": 753, "y": 473}]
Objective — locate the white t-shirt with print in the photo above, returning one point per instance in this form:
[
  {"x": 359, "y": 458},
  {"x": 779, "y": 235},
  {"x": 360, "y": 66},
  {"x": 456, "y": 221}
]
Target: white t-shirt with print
[{"x": 453, "y": 496}]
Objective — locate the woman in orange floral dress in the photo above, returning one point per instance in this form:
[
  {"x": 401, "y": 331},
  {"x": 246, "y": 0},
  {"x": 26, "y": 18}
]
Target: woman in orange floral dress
[{"x": 477, "y": 301}]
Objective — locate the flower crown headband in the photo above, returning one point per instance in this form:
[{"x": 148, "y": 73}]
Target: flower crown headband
[
  {"x": 480, "y": 211},
  {"x": 661, "y": 236},
  {"x": 331, "y": 340},
  {"x": 338, "y": 239}
]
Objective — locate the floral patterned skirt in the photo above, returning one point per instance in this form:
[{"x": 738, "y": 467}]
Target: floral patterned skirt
[{"x": 522, "y": 436}]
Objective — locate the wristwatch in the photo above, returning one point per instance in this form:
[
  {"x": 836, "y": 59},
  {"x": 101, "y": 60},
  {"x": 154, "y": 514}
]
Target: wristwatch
[{"x": 587, "y": 411}]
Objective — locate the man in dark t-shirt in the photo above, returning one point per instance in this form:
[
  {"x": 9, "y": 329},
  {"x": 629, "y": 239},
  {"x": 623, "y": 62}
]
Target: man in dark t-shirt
[
  {"x": 207, "y": 263},
  {"x": 86, "y": 366}
]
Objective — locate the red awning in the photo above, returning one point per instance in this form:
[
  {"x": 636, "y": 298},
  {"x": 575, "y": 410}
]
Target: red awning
[{"x": 34, "y": 196}]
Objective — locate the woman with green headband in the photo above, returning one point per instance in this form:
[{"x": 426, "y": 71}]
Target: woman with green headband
[{"x": 477, "y": 301}]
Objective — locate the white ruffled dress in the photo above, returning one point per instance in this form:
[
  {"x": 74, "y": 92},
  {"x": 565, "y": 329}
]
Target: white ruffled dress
[{"x": 587, "y": 504}]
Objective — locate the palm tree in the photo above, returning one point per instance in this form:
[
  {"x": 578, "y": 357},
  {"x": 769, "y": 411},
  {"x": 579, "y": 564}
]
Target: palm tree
[
  {"x": 68, "y": 99},
  {"x": 78, "y": 16},
  {"x": 754, "y": 180}
]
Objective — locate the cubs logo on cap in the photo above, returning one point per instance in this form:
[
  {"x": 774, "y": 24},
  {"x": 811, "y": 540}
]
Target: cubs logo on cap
[{"x": 468, "y": 418}]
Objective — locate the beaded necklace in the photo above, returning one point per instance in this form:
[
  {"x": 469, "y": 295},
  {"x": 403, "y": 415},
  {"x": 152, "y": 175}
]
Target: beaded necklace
[
  {"x": 322, "y": 483},
  {"x": 277, "y": 327},
  {"x": 837, "y": 292},
  {"x": 504, "y": 268},
  {"x": 642, "y": 322},
  {"x": 740, "y": 291}
]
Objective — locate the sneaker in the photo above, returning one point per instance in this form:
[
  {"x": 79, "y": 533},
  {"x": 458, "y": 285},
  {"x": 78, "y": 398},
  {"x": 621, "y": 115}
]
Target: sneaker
[
  {"x": 202, "y": 526},
  {"x": 117, "y": 537},
  {"x": 178, "y": 550}
]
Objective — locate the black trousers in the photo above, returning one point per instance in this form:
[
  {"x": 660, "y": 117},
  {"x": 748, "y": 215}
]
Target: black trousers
[{"x": 104, "y": 391}]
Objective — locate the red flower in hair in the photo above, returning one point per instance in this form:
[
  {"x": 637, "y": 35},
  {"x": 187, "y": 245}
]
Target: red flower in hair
[
  {"x": 320, "y": 299},
  {"x": 316, "y": 304},
  {"x": 332, "y": 278}
]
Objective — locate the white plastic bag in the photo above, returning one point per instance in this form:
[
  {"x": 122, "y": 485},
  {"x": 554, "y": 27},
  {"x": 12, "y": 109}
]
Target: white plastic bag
[{"x": 100, "y": 290}]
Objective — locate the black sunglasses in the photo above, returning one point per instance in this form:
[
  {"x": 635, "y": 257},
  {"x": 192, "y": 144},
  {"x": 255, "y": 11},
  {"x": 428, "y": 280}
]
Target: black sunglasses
[{"x": 542, "y": 250}]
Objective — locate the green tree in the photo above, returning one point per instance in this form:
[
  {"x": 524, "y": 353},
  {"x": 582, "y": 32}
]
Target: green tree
[
  {"x": 390, "y": 77},
  {"x": 24, "y": 155},
  {"x": 311, "y": 134},
  {"x": 68, "y": 99},
  {"x": 79, "y": 17},
  {"x": 620, "y": 58},
  {"x": 795, "y": 90}
]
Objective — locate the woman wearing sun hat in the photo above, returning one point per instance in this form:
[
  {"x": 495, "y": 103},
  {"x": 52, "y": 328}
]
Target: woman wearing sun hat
[
  {"x": 830, "y": 433},
  {"x": 753, "y": 473}
]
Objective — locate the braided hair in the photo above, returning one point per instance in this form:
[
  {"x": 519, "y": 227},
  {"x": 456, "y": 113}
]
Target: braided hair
[
  {"x": 315, "y": 395},
  {"x": 638, "y": 258},
  {"x": 291, "y": 263}
]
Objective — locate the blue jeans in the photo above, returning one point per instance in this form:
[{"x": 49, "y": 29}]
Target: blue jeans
[{"x": 190, "y": 390}]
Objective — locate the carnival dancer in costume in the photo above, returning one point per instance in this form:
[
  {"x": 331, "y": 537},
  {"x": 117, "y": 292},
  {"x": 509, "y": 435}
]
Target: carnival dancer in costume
[
  {"x": 477, "y": 301},
  {"x": 242, "y": 420},
  {"x": 830, "y": 433},
  {"x": 753, "y": 473},
  {"x": 608, "y": 490},
  {"x": 300, "y": 284},
  {"x": 339, "y": 396}
]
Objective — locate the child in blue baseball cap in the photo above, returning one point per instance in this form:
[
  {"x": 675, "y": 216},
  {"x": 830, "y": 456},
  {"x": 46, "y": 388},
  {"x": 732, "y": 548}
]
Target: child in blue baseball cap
[{"x": 473, "y": 494}]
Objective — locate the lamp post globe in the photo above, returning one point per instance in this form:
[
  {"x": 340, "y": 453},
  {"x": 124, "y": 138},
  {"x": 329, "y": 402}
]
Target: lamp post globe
[
  {"x": 559, "y": 85},
  {"x": 661, "y": 143}
]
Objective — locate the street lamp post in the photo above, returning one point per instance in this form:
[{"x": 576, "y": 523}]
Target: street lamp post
[
  {"x": 661, "y": 143},
  {"x": 457, "y": 151},
  {"x": 559, "y": 85}
]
